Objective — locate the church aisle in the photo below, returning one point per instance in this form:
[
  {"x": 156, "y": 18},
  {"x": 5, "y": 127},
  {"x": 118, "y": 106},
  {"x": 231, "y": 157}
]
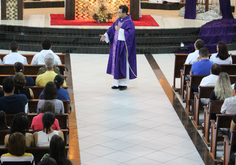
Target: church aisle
[{"x": 132, "y": 127}]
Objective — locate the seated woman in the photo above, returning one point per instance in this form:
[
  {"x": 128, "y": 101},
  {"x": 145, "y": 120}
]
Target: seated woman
[
  {"x": 19, "y": 80},
  {"x": 16, "y": 148},
  {"x": 19, "y": 67},
  {"x": 222, "y": 88},
  {"x": 62, "y": 94},
  {"x": 50, "y": 93},
  {"x": 20, "y": 124},
  {"x": 37, "y": 123},
  {"x": 57, "y": 151},
  {"x": 42, "y": 138},
  {"x": 222, "y": 56},
  {"x": 3, "y": 124}
]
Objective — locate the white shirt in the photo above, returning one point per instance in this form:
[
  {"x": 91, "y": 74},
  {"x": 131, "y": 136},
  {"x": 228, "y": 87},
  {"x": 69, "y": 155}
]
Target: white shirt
[
  {"x": 209, "y": 80},
  {"x": 229, "y": 106},
  {"x": 217, "y": 60},
  {"x": 39, "y": 58},
  {"x": 192, "y": 57},
  {"x": 14, "y": 57},
  {"x": 44, "y": 139}
]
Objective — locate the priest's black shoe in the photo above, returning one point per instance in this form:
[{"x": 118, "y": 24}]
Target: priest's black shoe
[
  {"x": 122, "y": 88},
  {"x": 115, "y": 87}
]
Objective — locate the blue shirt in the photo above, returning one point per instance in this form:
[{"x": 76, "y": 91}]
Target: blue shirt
[
  {"x": 62, "y": 94},
  {"x": 202, "y": 67}
]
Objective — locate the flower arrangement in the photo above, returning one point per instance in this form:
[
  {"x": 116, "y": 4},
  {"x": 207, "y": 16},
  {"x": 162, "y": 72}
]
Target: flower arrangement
[{"x": 101, "y": 13}]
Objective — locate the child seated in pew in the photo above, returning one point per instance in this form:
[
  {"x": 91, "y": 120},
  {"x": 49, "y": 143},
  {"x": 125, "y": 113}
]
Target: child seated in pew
[
  {"x": 47, "y": 161},
  {"x": 50, "y": 93},
  {"x": 62, "y": 94},
  {"x": 16, "y": 147},
  {"x": 19, "y": 80},
  {"x": 37, "y": 123},
  {"x": 19, "y": 67},
  {"x": 43, "y": 138},
  {"x": 20, "y": 124},
  {"x": 57, "y": 151},
  {"x": 3, "y": 124}
]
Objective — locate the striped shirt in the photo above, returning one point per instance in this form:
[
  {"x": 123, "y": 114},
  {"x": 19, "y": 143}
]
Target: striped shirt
[{"x": 27, "y": 158}]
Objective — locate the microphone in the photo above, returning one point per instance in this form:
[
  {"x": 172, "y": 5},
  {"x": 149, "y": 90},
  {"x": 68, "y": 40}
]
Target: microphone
[{"x": 117, "y": 21}]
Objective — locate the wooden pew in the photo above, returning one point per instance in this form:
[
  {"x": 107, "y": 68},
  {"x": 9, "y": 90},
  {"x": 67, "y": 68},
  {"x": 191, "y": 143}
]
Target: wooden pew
[
  {"x": 203, "y": 92},
  {"x": 230, "y": 69},
  {"x": 184, "y": 72},
  {"x": 32, "y": 103},
  {"x": 194, "y": 82},
  {"x": 62, "y": 118},
  {"x": 3, "y": 76},
  {"x": 213, "y": 109},
  {"x": 229, "y": 147},
  {"x": 30, "y": 57},
  {"x": 222, "y": 121},
  {"x": 38, "y": 152},
  {"x": 37, "y": 90},
  {"x": 29, "y": 69},
  {"x": 179, "y": 63}
]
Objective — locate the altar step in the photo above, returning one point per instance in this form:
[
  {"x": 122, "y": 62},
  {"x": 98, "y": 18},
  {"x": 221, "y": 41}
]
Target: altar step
[{"x": 88, "y": 40}]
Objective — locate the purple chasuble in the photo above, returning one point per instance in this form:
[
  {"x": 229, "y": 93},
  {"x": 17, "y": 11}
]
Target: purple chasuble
[{"x": 119, "y": 49}]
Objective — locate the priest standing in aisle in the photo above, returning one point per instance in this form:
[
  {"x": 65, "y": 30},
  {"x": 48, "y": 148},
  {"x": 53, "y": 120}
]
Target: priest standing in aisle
[{"x": 122, "y": 59}]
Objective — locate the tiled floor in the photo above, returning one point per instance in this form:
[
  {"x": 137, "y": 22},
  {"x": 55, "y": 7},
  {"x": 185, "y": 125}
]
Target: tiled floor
[{"x": 132, "y": 127}]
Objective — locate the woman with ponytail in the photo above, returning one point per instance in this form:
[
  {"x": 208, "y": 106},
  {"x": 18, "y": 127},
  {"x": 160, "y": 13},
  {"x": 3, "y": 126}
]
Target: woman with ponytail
[{"x": 42, "y": 138}]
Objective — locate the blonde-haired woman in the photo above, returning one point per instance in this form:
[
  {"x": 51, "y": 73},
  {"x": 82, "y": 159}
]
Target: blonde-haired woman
[{"x": 222, "y": 88}]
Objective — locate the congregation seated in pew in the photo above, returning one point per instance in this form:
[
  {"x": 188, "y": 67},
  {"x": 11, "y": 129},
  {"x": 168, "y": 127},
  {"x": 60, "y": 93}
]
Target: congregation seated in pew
[
  {"x": 49, "y": 75},
  {"x": 62, "y": 94},
  {"x": 193, "y": 57},
  {"x": 47, "y": 161},
  {"x": 222, "y": 56},
  {"x": 43, "y": 138},
  {"x": 19, "y": 80},
  {"x": 37, "y": 123},
  {"x": 50, "y": 93},
  {"x": 57, "y": 151},
  {"x": 229, "y": 105},
  {"x": 12, "y": 103},
  {"x": 39, "y": 58},
  {"x": 14, "y": 56},
  {"x": 20, "y": 124},
  {"x": 16, "y": 151}
]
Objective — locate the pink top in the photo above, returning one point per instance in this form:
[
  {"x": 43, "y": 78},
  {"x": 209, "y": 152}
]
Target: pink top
[{"x": 37, "y": 123}]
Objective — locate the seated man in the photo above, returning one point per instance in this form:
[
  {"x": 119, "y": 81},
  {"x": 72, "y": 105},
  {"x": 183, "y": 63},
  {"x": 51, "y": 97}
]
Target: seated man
[
  {"x": 39, "y": 58},
  {"x": 49, "y": 75},
  {"x": 14, "y": 56},
  {"x": 203, "y": 66},
  {"x": 213, "y": 77},
  {"x": 193, "y": 57},
  {"x": 12, "y": 103},
  {"x": 229, "y": 105}
]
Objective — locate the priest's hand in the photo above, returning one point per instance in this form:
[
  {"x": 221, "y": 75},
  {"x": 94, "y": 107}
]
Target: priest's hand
[
  {"x": 103, "y": 38},
  {"x": 117, "y": 27}
]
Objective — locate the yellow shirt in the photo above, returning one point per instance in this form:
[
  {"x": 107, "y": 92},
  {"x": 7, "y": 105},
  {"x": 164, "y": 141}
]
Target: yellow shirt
[
  {"x": 46, "y": 77},
  {"x": 27, "y": 157}
]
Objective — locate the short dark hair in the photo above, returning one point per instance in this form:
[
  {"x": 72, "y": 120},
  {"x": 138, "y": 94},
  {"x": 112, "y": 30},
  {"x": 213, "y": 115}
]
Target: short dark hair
[
  {"x": 46, "y": 44},
  {"x": 48, "y": 106},
  {"x": 19, "y": 67},
  {"x": 20, "y": 123},
  {"x": 8, "y": 85},
  {"x": 124, "y": 9},
  {"x": 48, "y": 120},
  {"x": 57, "y": 150},
  {"x": 50, "y": 91},
  {"x": 14, "y": 46},
  {"x": 47, "y": 161},
  {"x": 59, "y": 80},
  {"x": 199, "y": 44},
  {"x": 216, "y": 69},
  {"x": 16, "y": 144},
  {"x": 204, "y": 52}
]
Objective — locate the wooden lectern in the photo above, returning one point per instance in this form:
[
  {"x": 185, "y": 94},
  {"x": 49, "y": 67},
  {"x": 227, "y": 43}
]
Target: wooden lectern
[
  {"x": 12, "y": 9},
  {"x": 70, "y": 9}
]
